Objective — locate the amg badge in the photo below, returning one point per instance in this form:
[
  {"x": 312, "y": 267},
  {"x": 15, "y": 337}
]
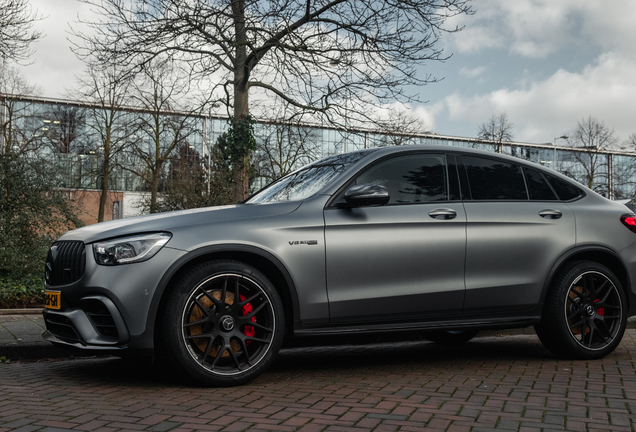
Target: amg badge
[{"x": 300, "y": 242}]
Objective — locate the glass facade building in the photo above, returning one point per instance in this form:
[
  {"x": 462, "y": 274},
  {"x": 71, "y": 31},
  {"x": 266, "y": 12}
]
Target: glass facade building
[{"x": 70, "y": 134}]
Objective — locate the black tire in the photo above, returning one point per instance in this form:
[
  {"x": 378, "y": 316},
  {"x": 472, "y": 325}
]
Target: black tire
[
  {"x": 451, "y": 337},
  {"x": 585, "y": 312},
  {"x": 222, "y": 343}
]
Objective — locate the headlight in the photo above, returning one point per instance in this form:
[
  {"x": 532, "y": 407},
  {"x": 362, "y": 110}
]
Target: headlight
[{"x": 127, "y": 250}]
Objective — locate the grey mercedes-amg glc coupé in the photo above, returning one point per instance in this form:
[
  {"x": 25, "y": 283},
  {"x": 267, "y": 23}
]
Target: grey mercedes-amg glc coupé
[{"x": 440, "y": 240}]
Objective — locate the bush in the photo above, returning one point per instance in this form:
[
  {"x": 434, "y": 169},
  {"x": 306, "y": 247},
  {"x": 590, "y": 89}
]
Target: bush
[
  {"x": 25, "y": 292},
  {"x": 33, "y": 212}
]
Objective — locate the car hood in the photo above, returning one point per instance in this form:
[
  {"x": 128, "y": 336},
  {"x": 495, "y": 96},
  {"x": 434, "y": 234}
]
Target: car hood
[{"x": 170, "y": 220}]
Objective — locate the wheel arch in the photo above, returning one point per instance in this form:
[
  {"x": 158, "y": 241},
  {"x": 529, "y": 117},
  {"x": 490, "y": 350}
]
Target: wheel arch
[
  {"x": 601, "y": 255},
  {"x": 260, "y": 259}
]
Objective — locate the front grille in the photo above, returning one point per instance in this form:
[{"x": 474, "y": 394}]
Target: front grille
[{"x": 65, "y": 263}]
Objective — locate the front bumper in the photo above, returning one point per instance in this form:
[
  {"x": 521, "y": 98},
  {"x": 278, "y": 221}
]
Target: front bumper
[
  {"x": 108, "y": 308},
  {"x": 95, "y": 322}
]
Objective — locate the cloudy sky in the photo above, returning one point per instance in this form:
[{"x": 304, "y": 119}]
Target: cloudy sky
[{"x": 545, "y": 63}]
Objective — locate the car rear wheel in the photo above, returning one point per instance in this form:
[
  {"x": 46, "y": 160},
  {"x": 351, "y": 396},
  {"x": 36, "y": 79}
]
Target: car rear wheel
[
  {"x": 585, "y": 312},
  {"x": 223, "y": 323},
  {"x": 451, "y": 337}
]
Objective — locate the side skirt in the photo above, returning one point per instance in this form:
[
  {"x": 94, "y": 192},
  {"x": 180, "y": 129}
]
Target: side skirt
[{"x": 456, "y": 324}]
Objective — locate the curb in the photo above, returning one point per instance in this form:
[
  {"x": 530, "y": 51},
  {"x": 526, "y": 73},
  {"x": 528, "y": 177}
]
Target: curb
[
  {"x": 36, "y": 352},
  {"x": 27, "y": 311}
]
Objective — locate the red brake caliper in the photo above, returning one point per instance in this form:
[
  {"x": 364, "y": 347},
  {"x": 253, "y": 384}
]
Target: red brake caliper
[
  {"x": 248, "y": 331},
  {"x": 600, "y": 311}
]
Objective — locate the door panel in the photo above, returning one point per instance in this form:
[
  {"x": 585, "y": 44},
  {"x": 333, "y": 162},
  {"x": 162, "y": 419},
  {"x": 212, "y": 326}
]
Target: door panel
[
  {"x": 395, "y": 262},
  {"x": 511, "y": 247}
]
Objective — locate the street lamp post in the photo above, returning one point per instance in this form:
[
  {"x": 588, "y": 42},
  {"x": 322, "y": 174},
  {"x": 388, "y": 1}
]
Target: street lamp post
[{"x": 554, "y": 159}]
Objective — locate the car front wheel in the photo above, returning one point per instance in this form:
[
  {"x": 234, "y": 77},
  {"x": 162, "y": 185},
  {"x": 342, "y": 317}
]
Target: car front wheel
[
  {"x": 223, "y": 323},
  {"x": 585, "y": 312}
]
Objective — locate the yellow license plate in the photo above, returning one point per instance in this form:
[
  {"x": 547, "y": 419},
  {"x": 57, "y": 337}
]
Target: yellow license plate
[{"x": 52, "y": 299}]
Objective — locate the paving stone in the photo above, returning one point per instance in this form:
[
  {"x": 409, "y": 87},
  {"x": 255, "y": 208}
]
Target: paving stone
[{"x": 499, "y": 382}]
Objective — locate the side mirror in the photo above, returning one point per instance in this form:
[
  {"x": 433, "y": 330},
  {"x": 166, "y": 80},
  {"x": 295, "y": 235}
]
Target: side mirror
[{"x": 367, "y": 195}]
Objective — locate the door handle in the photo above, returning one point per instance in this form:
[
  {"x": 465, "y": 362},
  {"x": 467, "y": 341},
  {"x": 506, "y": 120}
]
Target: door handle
[
  {"x": 443, "y": 214},
  {"x": 550, "y": 214}
]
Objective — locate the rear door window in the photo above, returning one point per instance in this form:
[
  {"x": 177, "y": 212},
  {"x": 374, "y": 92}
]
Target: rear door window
[{"x": 492, "y": 179}]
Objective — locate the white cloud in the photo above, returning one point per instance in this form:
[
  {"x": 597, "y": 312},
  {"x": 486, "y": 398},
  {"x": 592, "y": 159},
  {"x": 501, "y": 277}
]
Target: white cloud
[
  {"x": 427, "y": 114},
  {"x": 609, "y": 23},
  {"x": 475, "y": 39},
  {"x": 545, "y": 109},
  {"x": 472, "y": 73},
  {"x": 55, "y": 66},
  {"x": 538, "y": 28},
  {"x": 424, "y": 113}
]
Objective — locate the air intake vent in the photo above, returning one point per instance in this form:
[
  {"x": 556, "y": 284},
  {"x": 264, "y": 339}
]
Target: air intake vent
[
  {"x": 101, "y": 318},
  {"x": 65, "y": 263},
  {"x": 62, "y": 328}
]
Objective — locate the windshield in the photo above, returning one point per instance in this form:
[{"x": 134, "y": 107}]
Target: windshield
[{"x": 307, "y": 181}]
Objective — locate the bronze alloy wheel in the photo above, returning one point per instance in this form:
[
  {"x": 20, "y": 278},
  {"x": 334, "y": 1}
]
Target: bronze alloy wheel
[
  {"x": 223, "y": 323},
  {"x": 227, "y": 336}
]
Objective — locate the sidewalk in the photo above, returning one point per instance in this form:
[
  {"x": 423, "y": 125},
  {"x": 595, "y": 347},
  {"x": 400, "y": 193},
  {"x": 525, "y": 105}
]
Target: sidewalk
[{"x": 21, "y": 336}]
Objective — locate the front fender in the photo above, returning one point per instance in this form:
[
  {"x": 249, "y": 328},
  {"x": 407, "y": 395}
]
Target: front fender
[{"x": 224, "y": 251}]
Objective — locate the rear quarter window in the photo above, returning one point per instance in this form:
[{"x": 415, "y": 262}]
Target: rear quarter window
[
  {"x": 538, "y": 187},
  {"x": 564, "y": 190}
]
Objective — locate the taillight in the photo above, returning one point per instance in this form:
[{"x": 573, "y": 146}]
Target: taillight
[{"x": 629, "y": 220}]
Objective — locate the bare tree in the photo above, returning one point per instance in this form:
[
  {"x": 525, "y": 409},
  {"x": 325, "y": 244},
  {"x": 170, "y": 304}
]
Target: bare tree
[
  {"x": 624, "y": 167},
  {"x": 33, "y": 210},
  {"x": 189, "y": 185},
  {"x": 16, "y": 19},
  {"x": 157, "y": 91},
  {"x": 109, "y": 126},
  {"x": 284, "y": 146},
  {"x": 330, "y": 59},
  {"x": 590, "y": 138},
  {"x": 65, "y": 128},
  {"x": 400, "y": 127},
  {"x": 21, "y": 131},
  {"x": 497, "y": 129}
]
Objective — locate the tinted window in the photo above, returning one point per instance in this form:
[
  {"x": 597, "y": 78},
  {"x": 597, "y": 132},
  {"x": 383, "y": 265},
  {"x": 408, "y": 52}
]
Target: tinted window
[
  {"x": 410, "y": 179},
  {"x": 492, "y": 179},
  {"x": 564, "y": 190},
  {"x": 307, "y": 181},
  {"x": 538, "y": 187}
]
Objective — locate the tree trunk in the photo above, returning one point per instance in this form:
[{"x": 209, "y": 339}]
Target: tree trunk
[
  {"x": 241, "y": 166},
  {"x": 154, "y": 180},
  {"x": 154, "y": 186},
  {"x": 241, "y": 104},
  {"x": 104, "y": 189}
]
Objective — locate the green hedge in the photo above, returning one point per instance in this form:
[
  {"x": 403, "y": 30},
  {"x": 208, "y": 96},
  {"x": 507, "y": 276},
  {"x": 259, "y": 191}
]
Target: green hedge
[{"x": 26, "y": 292}]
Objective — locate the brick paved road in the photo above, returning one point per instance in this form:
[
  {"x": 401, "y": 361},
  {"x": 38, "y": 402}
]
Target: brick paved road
[{"x": 502, "y": 383}]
